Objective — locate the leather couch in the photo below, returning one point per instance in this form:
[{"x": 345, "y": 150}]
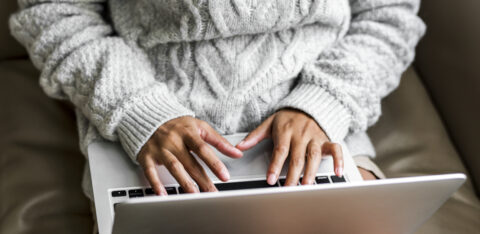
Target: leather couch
[{"x": 429, "y": 126}]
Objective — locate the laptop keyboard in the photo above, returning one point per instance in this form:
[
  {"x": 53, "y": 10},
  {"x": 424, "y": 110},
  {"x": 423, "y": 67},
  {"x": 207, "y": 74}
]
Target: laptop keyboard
[{"x": 139, "y": 192}]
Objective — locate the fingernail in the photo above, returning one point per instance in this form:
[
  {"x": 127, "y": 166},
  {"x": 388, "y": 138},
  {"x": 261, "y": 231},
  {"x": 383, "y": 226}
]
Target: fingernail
[
  {"x": 272, "y": 179},
  {"x": 237, "y": 151},
  {"x": 225, "y": 174},
  {"x": 241, "y": 143},
  {"x": 163, "y": 193},
  {"x": 339, "y": 172}
]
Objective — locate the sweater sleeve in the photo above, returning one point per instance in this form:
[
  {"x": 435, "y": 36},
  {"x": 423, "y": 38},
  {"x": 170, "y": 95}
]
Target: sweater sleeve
[
  {"x": 343, "y": 87},
  {"x": 82, "y": 60}
]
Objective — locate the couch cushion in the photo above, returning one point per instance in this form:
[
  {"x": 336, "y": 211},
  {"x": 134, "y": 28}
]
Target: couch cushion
[
  {"x": 9, "y": 48},
  {"x": 448, "y": 61},
  {"x": 41, "y": 167},
  {"x": 411, "y": 140},
  {"x": 40, "y": 164}
]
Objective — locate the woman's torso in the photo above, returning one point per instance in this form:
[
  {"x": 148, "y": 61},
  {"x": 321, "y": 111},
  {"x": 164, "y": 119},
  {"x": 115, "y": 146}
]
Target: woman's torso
[{"x": 230, "y": 61}]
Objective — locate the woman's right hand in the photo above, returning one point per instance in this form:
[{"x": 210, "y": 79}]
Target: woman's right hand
[{"x": 171, "y": 145}]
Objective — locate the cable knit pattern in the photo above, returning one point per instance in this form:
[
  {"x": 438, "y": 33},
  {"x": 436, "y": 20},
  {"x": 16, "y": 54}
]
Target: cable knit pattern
[{"x": 131, "y": 65}]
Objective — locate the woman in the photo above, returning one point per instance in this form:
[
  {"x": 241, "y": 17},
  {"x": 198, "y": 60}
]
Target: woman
[{"x": 165, "y": 78}]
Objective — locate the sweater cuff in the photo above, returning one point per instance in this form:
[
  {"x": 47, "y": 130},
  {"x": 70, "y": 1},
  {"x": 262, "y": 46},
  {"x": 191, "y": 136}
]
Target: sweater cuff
[
  {"x": 324, "y": 108},
  {"x": 145, "y": 115}
]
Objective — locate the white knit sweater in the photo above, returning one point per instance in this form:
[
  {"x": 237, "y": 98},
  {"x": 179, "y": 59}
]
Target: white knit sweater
[{"x": 130, "y": 65}]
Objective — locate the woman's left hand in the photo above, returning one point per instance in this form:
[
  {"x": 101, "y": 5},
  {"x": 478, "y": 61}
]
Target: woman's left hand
[{"x": 296, "y": 134}]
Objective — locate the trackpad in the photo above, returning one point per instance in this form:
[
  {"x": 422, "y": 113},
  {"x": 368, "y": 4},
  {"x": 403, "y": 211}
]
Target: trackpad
[{"x": 254, "y": 162}]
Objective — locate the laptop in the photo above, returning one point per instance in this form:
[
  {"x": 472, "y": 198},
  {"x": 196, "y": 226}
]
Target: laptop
[{"x": 125, "y": 203}]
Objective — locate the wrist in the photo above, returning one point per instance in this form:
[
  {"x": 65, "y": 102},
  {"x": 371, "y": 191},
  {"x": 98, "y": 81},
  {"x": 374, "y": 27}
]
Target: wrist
[{"x": 366, "y": 174}]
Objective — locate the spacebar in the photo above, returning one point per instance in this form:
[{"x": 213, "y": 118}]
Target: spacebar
[{"x": 243, "y": 185}]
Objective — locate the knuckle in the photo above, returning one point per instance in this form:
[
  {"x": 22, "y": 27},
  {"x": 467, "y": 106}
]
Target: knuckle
[
  {"x": 141, "y": 159},
  {"x": 305, "y": 130},
  {"x": 150, "y": 170},
  {"x": 314, "y": 151},
  {"x": 174, "y": 124},
  {"x": 189, "y": 184},
  {"x": 202, "y": 123},
  {"x": 311, "y": 123},
  {"x": 174, "y": 165},
  {"x": 170, "y": 135},
  {"x": 280, "y": 150},
  {"x": 217, "y": 165},
  {"x": 188, "y": 129},
  {"x": 162, "y": 130},
  {"x": 297, "y": 161},
  {"x": 288, "y": 124},
  {"x": 314, "y": 146},
  {"x": 217, "y": 143},
  {"x": 311, "y": 156},
  {"x": 201, "y": 130},
  {"x": 203, "y": 148}
]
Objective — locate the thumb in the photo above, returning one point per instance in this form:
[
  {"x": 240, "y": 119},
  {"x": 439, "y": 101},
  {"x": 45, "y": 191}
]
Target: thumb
[{"x": 257, "y": 135}]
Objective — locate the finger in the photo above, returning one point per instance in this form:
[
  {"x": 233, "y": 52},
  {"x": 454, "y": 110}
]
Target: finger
[
  {"x": 196, "y": 171},
  {"x": 177, "y": 170},
  {"x": 336, "y": 151},
  {"x": 281, "y": 142},
  {"x": 150, "y": 171},
  {"x": 212, "y": 137},
  {"x": 297, "y": 161},
  {"x": 203, "y": 150},
  {"x": 314, "y": 156},
  {"x": 257, "y": 135}
]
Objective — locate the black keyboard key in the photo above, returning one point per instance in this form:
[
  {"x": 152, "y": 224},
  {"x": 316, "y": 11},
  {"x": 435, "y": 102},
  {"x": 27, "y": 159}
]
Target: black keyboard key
[
  {"x": 180, "y": 190},
  {"x": 243, "y": 185},
  {"x": 135, "y": 193},
  {"x": 322, "y": 180},
  {"x": 336, "y": 179},
  {"x": 171, "y": 190},
  {"x": 119, "y": 193},
  {"x": 149, "y": 191}
]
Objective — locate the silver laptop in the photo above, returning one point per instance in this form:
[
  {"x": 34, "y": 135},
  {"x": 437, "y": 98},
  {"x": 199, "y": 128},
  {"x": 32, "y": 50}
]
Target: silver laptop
[{"x": 125, "y": 203}]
